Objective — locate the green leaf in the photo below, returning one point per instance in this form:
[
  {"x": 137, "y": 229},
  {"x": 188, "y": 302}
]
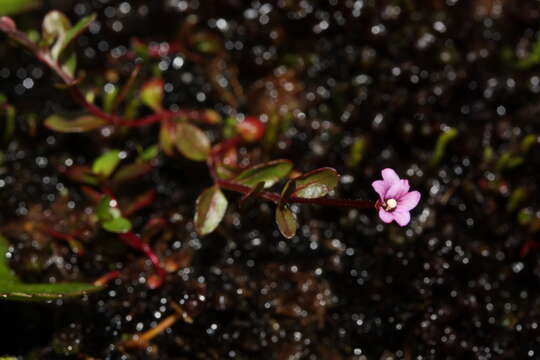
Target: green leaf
[
  {"x": 109, "y": 98},
  {"x": 54, "y": 28},
  {"x": 9, "y": 129},
  {"x": 79, "y": 125},
  {"x": 207, "y": 43},
  {"x": 192, "y": 142},
  {"x": 286, "y": 221},
  {"x": 316, "y": 183},
  {"x": 357, "y": 152},
  {"x": 527, "y": 142},
  {"x": 76, "y": 30},
  {"x": 210, "y": 209},
  {"x": 517, "y": 196},
  {"x": 152, "y": 94},
  {"x": 58, "y": 32},
  {"x": 11, "y": 288},
  {"x": 105, "y": 212},
  {"x": 106, "y": 163},
  {"x": 269, "y": 173},
  {"x": 149, "y": 153},
  {"x": 10, "y": 7},
  {"x": 69, "y": 64},
  {"x": 167, "y": 138},
  {"x": 117, "y": 225},
  {"x": 442, "y": 142}
]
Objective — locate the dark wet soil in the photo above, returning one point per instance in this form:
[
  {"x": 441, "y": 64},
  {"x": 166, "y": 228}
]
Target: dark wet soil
[{"x": 460, "y": 282}]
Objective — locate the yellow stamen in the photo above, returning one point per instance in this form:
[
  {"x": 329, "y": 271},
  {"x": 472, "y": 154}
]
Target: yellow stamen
[{"x": 391, "y": 204}]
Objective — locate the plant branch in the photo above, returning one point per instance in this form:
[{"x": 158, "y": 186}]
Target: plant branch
[
  {"x": 42, "y": 54},
  {"x": 275, "y": 197}
]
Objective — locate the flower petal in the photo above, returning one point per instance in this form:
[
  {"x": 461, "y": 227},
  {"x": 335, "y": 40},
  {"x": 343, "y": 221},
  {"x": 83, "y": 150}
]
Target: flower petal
[
  {"x": 398, "y": 189},
  {"x": 386, "y": 216},
  {"x": 409, "y": 201},
  {"x": 402, "y": 217},
  {"x": 380, "y": 186},
  {"x": 390, "y": 176}
]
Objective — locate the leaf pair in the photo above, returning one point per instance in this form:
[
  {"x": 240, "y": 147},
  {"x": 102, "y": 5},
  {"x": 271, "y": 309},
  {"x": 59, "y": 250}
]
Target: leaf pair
[
  {"x": 12, "y": 288},
  {"x": 105, "y": 168},
  {"x": 186, "y": 138},
  {"x": 58, "y": 35},
  {"x": 110, "y": 216},
  {"x": 212, "y": 204},
  {"x": 312, "y": 185}
]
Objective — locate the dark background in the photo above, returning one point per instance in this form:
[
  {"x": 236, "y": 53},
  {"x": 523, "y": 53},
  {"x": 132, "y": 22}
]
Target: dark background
[{"x": 460, "y": 282}]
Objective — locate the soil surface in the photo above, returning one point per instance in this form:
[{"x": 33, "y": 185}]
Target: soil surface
[{"x": 460, "y": 282}]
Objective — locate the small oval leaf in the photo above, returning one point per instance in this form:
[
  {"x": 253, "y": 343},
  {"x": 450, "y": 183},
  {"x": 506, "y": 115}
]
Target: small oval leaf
[
  {"x": 269, "y": 173},
  {"x": 152, "y": 94},
  {"x": 79, "y": 125},
  {"x": 210, "y": 209},
  {"x": 316, "y": 183},
  {"x": 192, "y": 142},
  {"x": 106, "y": 163},
  {"x": 104, "y": 211},
  {"x": 286, "y": 221},
  {"x": 119, "y": 225},
  {"x": 167, "y": 138}
]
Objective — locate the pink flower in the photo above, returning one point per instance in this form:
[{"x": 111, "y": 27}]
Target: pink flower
[{"x": 395, "y": 200}]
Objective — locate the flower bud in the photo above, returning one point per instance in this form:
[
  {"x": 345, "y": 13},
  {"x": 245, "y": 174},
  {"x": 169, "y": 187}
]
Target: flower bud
[
  {"x": 7, "y": 24},
  {"x": 251, "y": 129}
]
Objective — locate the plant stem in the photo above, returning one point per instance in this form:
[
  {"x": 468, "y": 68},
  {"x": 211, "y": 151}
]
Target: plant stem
[
  {"x": 275, "y": 197},
  {"x": 77, "y": 94},
  {"x": 105, "y": 279},
  {"x": 135, "y": 242}
]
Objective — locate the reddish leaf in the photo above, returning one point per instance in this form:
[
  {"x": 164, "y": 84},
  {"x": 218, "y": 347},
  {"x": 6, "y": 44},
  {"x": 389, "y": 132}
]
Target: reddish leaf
[
  {"x": 130, "y": 172},
  {"x": 79, "y": 125},
  {"x": 167, "y": 138},
  {"x": 210, "y": 209},
  {"x": 192, "y": 142},
  {"x": 316, "y": 183},
  {"x": 269, "y": 173},
  {"x": 140, "y": 202},
  {"x": 286, "y": 221}
]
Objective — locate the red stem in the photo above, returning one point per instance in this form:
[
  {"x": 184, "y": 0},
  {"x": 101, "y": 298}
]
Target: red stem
[
  {"x": 275, "y": 197},
  {"x": 105, "y": 279},
  {"x": 131, "y": 239}
]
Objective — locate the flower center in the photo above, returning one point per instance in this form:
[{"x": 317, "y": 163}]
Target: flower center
[{"x": 390, "y": 204}]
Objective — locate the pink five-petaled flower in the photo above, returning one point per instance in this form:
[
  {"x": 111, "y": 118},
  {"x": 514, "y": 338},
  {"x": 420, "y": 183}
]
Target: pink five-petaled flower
[{"x": 395, "y": 200}]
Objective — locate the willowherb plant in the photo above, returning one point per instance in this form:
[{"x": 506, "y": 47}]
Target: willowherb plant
[{"x": 180, "y": 134}]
